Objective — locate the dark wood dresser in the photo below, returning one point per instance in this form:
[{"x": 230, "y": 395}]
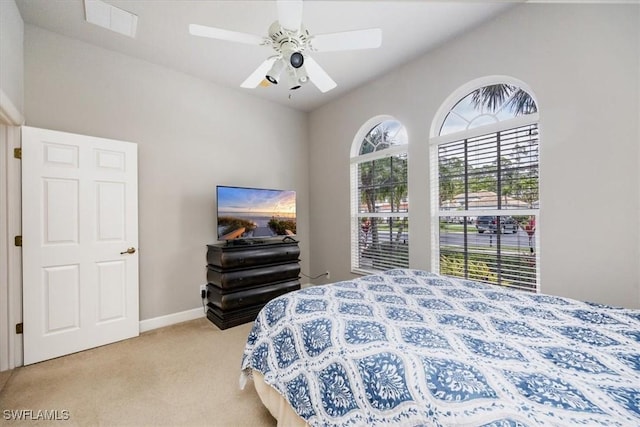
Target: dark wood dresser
[{"x": 243, "y": 277}]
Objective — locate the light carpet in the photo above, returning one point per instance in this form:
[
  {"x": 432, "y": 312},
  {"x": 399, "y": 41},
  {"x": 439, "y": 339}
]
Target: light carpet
[{"x": 182, "y": 375}]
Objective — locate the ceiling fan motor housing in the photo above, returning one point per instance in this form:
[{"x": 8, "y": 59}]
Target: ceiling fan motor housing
[
  {"x": 289, "y": 44},
  {"x": 296, "y": 59}
]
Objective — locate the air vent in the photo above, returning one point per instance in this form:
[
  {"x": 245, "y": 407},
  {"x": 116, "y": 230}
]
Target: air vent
[{"x": 110, "y": 17}]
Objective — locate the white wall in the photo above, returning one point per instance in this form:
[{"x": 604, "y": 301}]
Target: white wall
[
  {"x": 191, "y": 136},
  {"x": 583, "y": 65},
  {"x": 11, "y": 56}
]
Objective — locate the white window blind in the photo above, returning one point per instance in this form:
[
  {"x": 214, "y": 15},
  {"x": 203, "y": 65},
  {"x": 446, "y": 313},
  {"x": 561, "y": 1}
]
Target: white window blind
[{"x": 487, "y": 213}]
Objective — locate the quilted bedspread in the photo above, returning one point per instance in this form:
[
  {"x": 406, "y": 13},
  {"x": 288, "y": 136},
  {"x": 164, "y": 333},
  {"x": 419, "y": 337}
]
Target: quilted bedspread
[{"x": 412, "y": 348}]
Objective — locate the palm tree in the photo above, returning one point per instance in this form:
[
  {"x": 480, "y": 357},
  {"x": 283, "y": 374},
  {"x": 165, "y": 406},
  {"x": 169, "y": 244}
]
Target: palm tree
[{"x": 502, "y": 95}]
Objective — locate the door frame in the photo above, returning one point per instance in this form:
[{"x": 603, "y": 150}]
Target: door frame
[{"x": 11, "y": 353}]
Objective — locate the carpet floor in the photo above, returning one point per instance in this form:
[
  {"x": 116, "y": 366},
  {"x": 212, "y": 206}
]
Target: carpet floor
[{"x": 182, "y": 375}]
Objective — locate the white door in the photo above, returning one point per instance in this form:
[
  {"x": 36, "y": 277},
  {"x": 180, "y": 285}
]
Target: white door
[{"x": 79, "y": 242}]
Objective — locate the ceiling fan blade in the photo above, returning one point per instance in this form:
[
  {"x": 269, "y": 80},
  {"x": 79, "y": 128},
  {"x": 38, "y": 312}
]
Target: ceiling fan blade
[
  {"x": 290, "y": 14},
  {"x": 318, "y": 75},
  {"x": 220, "y": 34},
  {"x": 347, "y": 40},
  {"x": 258, "y": 75}
]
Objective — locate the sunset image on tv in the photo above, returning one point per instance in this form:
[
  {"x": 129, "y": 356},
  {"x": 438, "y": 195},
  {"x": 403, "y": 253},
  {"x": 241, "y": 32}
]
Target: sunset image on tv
[{"x": 255, "y": 213}]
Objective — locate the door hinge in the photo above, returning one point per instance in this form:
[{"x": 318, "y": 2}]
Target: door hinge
[
  {"x": 18, "y": 328},
  {"x": 17, "y": 240},
  {"x": 17, "y": 153}
]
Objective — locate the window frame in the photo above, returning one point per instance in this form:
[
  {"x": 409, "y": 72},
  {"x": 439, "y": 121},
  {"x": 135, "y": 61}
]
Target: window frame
[
  {"x": 354, "y": 160},
  {"x": 436, "y": 140}
]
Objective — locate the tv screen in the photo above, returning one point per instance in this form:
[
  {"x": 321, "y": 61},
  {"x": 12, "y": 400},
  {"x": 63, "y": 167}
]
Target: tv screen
[{"x": 255, "y": 213}]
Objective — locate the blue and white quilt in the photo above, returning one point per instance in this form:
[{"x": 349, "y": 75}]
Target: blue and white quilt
[{"x": 412, "y": 348}]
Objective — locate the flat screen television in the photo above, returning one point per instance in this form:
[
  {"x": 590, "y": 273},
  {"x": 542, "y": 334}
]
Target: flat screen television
[{"x": 255, "y": 213}]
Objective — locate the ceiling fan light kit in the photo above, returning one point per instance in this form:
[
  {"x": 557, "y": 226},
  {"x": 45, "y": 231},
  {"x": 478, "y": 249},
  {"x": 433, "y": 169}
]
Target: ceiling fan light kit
[
  {"x": 292, "y": 42},
  {"x": 276, "y": 70},
  {"x": 297, "y": 77}
]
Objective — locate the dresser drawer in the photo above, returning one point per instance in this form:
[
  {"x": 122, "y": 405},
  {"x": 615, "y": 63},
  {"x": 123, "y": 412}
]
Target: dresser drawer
[
  {"x": 252, "y": 276},
  {"x": 249, "y": 297},
  {"x": 251, "y": 255}
]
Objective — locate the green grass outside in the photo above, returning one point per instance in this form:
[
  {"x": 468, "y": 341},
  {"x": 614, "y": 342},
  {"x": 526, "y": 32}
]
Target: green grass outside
[{"x": 457, "y": 228}]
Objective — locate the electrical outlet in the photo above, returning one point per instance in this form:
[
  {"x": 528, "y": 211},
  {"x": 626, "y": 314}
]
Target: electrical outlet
[
  {"x": 328, "y": 275},
  {"x": 203, "y": 291}
]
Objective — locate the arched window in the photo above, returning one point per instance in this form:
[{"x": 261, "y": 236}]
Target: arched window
[
  {"x": 379, "y": 197},
  {"x": 485, "y": 184}
]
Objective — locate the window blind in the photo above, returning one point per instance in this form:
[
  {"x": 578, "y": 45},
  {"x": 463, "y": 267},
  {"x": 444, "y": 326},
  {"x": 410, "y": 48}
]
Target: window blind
[
  {"x": 487, "y": 192},
  {"x": 380, "y": 209}
]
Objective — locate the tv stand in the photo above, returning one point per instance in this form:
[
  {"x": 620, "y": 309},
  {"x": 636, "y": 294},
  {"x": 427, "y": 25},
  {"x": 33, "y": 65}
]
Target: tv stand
[{"x": 243, "y": 277}]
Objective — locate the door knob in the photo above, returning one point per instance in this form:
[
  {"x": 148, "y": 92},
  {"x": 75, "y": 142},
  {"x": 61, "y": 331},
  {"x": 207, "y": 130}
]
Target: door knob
[{"x": 129, "y": 251}]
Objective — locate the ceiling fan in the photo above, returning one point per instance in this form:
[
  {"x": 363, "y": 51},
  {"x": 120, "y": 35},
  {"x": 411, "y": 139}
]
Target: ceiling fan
[{"x": 292, "y": 43}]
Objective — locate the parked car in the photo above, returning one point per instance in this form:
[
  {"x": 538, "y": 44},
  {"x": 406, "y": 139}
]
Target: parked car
[
  {"x": 457, "y": 219},
  {"x": 489, "y": 223}
]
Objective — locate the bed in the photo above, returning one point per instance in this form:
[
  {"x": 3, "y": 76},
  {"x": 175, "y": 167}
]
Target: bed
[{"x": 412, "y": 348}]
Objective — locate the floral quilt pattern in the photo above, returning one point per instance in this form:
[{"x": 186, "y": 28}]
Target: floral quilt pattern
[{"x": 413, "y": 348}]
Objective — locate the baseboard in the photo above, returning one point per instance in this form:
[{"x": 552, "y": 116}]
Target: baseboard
[
  {"x": 171, "y": 319},
  {"x": 183, "y": 316}
]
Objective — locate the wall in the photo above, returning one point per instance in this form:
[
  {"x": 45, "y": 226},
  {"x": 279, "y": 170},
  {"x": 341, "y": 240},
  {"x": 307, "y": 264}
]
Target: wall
[
  {"x": 191, "y": 136},
  {"x": 11, "y": 56},
  {"x": 582, "y": 63}
]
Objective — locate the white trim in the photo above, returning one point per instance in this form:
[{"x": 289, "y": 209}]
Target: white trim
[
  {"x": 489, "y": 212},
  {"x": 359, "y": 215},
  {"x": 363, "y": 272},
  {"x": 434, "y": 203},
  {"x": 9, "y": 114},
  {"x": 11, "y": 257},
  {"x": 4, "y": 248},
  {"x": 387, "y": 152},
  {"x": 14, "y": 254},
  {"x": 171, "y": 319}
]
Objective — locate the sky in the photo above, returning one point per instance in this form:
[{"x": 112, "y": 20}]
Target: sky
[{"x": 256, "y": 200}]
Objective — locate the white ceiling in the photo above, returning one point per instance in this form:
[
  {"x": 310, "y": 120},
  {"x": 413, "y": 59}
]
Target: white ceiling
[{"x": 409, "y": 28}]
